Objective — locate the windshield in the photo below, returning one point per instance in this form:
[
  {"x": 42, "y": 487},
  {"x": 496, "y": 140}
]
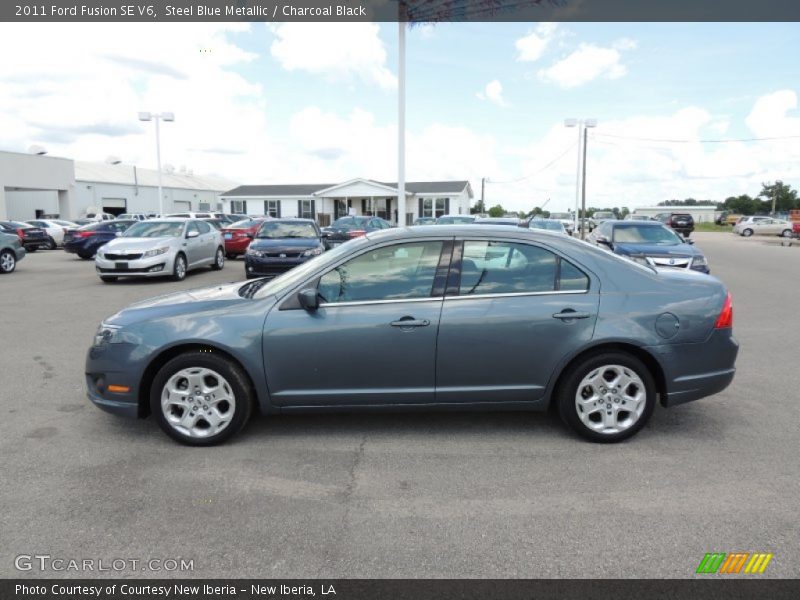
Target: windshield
[
  {"x": 551, "y": 225},
  {"x": 282, "y": 283},
  {"x": 454, "y": 220},
  {"x": 155, "y": 229},
  {"x": 286, "y": 229},
  {"x": 245, "y": 224},
  {"x": 348, "y": 223},
  {"x": 560, "y": 216},
  {"x": 646, "y": 234}
]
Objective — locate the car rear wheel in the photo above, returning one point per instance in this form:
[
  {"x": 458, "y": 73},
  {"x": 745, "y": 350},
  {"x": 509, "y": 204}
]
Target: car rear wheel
[
  {"x": 607, "y": 397},
  {"x": 747, "y": 232},
  {"x": 200, "y": 398},
  {"x": 179, "y": 268},
  {"x": 51, "y": 244},
  {"x": 219, "y": 260},
  {"x": 787, "y": 233},
  {"x": 86, "y": 256},
  {"x": 230, "y": 255},
  {"x": 8, "y": 261}
]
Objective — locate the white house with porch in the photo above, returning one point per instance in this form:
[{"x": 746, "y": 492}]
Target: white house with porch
[{"x": 327, "y": 202}]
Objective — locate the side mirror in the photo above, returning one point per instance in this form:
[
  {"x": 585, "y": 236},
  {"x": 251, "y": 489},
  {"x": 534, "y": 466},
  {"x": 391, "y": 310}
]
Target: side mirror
[
  {"x": 689, "y": 241},
  {"x": 309, "y": 299},
  {"x": 601, "y": 239},
  {"x": 192, "y": 234}
]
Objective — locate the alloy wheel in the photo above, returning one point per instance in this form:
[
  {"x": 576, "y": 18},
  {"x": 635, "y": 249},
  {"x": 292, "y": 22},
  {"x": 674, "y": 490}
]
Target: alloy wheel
[
  {"x": 198, "y": 402},
  {"x": 610, "y": 399},
  {"x": 7, "y": 262}
]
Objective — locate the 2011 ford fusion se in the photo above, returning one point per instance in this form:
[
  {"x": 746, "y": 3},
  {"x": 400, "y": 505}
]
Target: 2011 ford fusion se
[{"x": 429, "y": 317}]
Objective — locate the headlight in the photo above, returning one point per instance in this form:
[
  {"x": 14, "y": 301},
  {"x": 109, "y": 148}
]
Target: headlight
[
  {"x": 699, "y": 261},
  {"x": 253, "y": 252},
  {"x": 155, "y": 252},
  {"x": 313, "y": 252},
  {"x": 106, "y": 334}
]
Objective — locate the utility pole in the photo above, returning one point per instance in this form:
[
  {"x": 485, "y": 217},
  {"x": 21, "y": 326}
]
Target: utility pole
[
  {"x": 483, "y": 188},
  {"x": 583, "y": 185},
  {"x": 401, "y": 127}
]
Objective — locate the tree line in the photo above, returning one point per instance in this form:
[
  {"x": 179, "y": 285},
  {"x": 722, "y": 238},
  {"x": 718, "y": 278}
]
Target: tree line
[{"x": 784, "y": 196}]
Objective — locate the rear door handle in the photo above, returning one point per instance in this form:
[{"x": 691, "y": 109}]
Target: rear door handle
[
  {"x": 571, "y": 314},
  {"x": 410, "y": 322}
]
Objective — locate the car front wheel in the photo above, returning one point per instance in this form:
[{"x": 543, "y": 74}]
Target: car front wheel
[
  {"x": 747, "y": 232},
  {"x": 219, "y": 260},
  {"x": 179, "y": 268},
  {"x": 8, "y": 261},
  {"x": 607, "y": 397},
  {"x": 200, "y": 398}
]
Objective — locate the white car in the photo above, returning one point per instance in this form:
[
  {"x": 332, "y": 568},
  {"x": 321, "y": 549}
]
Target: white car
[
  {"x": 748, "y": 226},
  {"x": 567, "y": 220},
  {"x": 55, "y": 229},
  {"x": 134, "y": 216},
  {"x": 101, "y": 216},
  {"x": 161, "y": 247}
]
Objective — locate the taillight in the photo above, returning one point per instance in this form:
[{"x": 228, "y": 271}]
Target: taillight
[
  {"x": 356, "y": 233},
  {"x": 725, "y": 318},
  {"x": 84, "y": 234}
]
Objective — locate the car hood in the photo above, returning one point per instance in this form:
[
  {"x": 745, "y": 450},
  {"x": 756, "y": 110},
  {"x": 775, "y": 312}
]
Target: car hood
[
  {"x": 133, "y": 244},
  {"x": 656, "y": 249},
  {"x": 294, "y": 243},
  {"x": 180, "y": 303}
]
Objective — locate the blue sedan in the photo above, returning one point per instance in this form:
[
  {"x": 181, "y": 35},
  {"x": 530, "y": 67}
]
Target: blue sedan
[
  {"x": 86, "y": 240},
  {"x": 427, "y": 317},
  {"x": 649, "y": 242}
]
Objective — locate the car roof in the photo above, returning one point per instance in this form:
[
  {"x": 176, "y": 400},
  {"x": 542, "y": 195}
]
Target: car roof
[
  {"x": 637, "y": 223},
  {"x": 290, "y": 220}
]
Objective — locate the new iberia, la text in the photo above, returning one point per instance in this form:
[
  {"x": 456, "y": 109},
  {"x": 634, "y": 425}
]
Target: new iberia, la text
[{"x": 266, "y": 11}]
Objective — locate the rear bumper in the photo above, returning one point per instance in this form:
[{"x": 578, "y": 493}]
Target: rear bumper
[{"x": 694, "y": 371}]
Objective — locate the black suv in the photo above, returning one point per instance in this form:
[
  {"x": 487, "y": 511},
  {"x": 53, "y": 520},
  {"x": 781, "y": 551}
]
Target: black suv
[{"x": 683, "y": 223}]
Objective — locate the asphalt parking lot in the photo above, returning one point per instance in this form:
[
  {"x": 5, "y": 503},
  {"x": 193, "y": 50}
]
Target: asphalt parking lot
[{"x": 398, "y": 496}]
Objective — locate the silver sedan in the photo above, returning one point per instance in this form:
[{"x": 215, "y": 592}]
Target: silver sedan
[{"x": 161, "y": 247}]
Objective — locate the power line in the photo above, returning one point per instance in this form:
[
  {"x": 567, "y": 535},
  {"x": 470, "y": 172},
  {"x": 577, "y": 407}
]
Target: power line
[
  {"x": 676, "y": 141},
  {"x": 547, "y": 166}
]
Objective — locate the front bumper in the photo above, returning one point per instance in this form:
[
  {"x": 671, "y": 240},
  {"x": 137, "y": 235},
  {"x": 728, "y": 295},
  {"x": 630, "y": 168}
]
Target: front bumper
[
  {"x": 259, "y": 267},
  {"x": 110, "y": 364},
  {"x": 694, "y": 371},
  {"x": 153, "y": 266}
]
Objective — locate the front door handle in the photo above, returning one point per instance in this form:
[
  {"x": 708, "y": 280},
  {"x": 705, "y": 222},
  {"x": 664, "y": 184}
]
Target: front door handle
[
  {"x": 404, "y": 322},
  {"x": 571, "y": 314}
]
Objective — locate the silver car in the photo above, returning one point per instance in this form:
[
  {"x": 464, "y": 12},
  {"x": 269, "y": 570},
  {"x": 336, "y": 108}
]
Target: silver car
[
  {"x": 161, "y": 247},
  {"x": 748, "y": 226}
]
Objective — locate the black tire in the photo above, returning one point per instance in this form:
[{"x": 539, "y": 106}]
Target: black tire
[
  {"x": 568, "y": 389},
  {"x": 219, "y": 259},
  {"x": 787, "y": 233},
  {"x": 86, "y": 256},
  {"x": 108, "y": 278},
  {"x": 51, "y": 244},
  {"x": 31, "y": 248},
  {"x": 238, "y": 381},
  {"x": 747, "y": 232},
  {"x": 230, "y": 255},
  {"x": 8, "y": 262},
  {"x": 179, "y": 274}
]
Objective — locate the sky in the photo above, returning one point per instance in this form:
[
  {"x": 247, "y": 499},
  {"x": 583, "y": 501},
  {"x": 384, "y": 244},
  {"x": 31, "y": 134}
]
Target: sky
[{"x": 260, "y": 103}]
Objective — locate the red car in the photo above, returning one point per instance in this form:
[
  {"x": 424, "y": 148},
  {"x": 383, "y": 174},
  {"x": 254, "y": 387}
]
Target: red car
[{"x": 237, "y": 236}]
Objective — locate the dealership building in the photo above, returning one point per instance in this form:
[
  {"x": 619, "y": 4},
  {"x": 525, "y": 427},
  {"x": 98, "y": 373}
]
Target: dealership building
[
  {"x": 326, "y": 202},
  {"x": 34, "y": 186}
]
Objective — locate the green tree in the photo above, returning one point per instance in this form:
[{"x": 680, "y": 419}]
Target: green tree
[
  {"x": 479, "y": 208},
  {"x": 497, "y": 211},
  {"x": 742, "y": 204},
  {"x": 784, "y": 197},
  {"x": 624, "y": 212}
]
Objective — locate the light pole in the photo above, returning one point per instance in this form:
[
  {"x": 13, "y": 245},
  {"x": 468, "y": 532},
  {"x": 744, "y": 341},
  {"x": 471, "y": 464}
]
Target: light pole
[
  {"x": 580, "y": 187},
  {"x": 164, "y": 116},
  {"x": 401, "y": 127}
]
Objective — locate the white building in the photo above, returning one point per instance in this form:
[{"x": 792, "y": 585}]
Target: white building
[
  {"x": 33, "y": 186},
  {"x": 700, "y": 214},
  {"x": 328, "y": 202}
]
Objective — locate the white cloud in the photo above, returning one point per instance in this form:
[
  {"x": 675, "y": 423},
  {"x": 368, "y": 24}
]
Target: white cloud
[
  {"x": 531, "y": 47},
  {"x": 585, "y": 64},
  {"x": 493, "y": 92},
  {"x": 768, "y": 117},
  {"x": 335, "y": 52}
]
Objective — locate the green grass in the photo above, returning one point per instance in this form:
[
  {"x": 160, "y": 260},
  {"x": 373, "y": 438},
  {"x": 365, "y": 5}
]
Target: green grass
[{"x": 712, "y": 227}]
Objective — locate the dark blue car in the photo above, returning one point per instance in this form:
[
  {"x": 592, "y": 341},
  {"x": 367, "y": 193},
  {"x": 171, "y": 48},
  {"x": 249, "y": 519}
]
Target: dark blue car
[
  {"x": 650, "y": 243},
  {"x": 85, "y": 241},
  {"x": 281, "y": 244}
]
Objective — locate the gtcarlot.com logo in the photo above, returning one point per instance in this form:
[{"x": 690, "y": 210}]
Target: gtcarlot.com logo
[
  {"x": 734, "y": 563},
  {"x": 46, "y": 562}
]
